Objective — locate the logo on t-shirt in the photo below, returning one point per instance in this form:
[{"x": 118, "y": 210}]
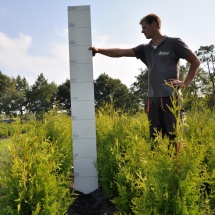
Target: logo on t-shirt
[{"x": 163, "y": 53}]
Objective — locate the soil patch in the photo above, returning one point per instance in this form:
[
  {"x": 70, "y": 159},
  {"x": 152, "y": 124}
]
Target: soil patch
[{"x": 95, "y": 203}]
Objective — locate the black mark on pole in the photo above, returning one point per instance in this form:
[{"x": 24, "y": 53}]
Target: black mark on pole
[
  {"x": 74, "y": 98},
  {"x": 72, "y": 42},
  {"x": 72, "y": 61},
  {"x": 72, "y": 8},
  {"x": 76, "y": 174},
  {"x": 75, "y": 135},
  {"x": 73, "y": 79},
  {"x": 72, "y": 25},
  {"x": 74, "y": 117}
]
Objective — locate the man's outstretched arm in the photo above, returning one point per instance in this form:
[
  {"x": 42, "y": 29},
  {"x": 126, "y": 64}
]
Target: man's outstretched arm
[{"x": 113, "y": 52}]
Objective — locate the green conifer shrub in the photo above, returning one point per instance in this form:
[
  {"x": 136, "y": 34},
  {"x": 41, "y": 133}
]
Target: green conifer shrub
[{"x": 36, "y": 179}]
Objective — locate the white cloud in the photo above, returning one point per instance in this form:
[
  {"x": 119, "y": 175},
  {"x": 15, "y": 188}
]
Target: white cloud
[
  {"x": 15, "y": 59},
  {"x": 125, "y": 68},
  {"x": 13, "y": 47},
  {"x": 63, "y": 33}
]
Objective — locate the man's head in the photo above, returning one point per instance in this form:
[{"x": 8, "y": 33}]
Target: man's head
[
  {"x": 151, "y": 25},
  {"x": 150, "y": 19}
]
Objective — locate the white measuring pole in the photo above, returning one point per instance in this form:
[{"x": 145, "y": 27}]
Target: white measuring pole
[{"x": 82, "y": 99}]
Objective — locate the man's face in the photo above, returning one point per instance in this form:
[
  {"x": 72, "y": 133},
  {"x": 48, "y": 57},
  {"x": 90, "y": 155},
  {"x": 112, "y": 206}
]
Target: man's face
[{"x": 147, "y": 30}]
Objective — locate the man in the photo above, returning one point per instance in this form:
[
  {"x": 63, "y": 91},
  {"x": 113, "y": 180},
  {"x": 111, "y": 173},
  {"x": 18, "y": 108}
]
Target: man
[{"x": 161, "y": 56}]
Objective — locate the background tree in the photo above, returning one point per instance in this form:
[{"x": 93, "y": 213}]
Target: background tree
[
  {"x": 9, "y": 97},
  {"x": 41, "y": 95},
  {"x": 140, "y": 87},
  {"x": 195, "y": 87},
  {"x": 4, "y": 84},
  {"x": 22, "y": 88},
  {"x": 63, "y": 95},
  {"x": 109, "y": 90},
  {"x": 207, "y": 57}
]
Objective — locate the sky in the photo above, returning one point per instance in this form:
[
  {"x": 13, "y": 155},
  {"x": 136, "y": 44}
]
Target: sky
[{"x": 34, "y": 34}]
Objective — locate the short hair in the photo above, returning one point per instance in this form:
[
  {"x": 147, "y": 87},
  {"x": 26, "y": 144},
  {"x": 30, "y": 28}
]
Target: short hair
[{"x": 151, "y": 18}]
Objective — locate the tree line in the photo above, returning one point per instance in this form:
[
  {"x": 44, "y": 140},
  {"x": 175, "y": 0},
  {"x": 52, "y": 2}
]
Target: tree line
[{"x": 17, "y": 96}]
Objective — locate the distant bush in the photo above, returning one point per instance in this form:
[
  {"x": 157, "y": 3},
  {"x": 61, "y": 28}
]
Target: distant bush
[{"x": 6, "y": 130}]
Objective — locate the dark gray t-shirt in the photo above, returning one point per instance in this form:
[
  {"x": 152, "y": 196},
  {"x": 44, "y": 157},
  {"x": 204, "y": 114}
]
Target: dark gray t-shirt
[{"x": 162, "y": 63}]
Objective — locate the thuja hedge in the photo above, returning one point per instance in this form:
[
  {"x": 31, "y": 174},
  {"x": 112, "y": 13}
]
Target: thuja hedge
[
  {"x": 141, "y": 181},
  {"x": 36, "y": 178}
]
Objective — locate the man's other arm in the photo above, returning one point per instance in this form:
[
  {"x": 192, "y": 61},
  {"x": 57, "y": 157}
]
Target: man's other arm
[{"x": 113, "y": 52}]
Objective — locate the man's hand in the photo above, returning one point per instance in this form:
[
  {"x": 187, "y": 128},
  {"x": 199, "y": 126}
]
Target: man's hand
[
  {"x": 176, "y": 83},
  {"x": 94, "y": 50}
]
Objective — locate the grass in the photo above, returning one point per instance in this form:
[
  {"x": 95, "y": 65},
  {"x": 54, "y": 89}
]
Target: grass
[
  {"x": 4, "y": 156},
  {"x": 3, "y": 150},
  {"x": 4, "y": 144}
]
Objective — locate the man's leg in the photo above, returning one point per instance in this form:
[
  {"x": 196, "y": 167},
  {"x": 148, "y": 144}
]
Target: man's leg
[
  {"x": 155, "y": 124},
  {"x": 169, "y": 121}
]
